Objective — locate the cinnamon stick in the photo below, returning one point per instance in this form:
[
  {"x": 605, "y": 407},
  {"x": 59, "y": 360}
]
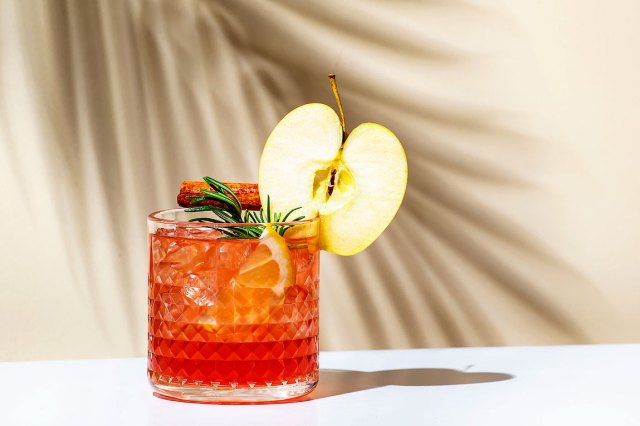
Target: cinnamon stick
[{"x": 247, "y": 193}]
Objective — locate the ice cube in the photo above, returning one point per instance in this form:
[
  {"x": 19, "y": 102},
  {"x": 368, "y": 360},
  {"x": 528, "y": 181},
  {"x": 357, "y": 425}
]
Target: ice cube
[
  {"x": 200, "y": 289},
  {"x": 165, "y": 274},
  {"x": 158, "y": 251}
]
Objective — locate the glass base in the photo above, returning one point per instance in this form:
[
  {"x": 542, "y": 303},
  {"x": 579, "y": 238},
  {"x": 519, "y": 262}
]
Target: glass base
[{"x": 234, "y": 395}]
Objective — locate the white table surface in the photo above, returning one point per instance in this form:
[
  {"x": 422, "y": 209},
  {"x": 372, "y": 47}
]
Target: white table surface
[{"x": 555, "y": 385}]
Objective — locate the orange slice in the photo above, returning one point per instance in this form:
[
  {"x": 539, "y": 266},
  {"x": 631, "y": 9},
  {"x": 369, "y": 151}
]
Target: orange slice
[
  {"x": 257, "y": 289},
  {"x": 261, "y": 283},
  {"x": 269, "y": 265}
]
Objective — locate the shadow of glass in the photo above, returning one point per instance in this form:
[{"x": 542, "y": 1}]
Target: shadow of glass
[{"x": 339, "y": 382}]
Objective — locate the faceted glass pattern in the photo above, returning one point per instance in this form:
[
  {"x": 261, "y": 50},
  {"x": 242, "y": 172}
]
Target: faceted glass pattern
[{"x": 210, "y": 340}]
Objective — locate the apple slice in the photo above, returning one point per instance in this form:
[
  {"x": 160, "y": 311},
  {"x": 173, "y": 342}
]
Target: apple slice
[
  {"x": 303, "y": 151},
  {"x": 370, "y": 183},
  {"x": 297, "y": 159}
]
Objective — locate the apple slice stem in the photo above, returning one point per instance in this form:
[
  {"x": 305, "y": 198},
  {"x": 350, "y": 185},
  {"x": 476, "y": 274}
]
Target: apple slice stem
[{"x": 334, "y": 88}]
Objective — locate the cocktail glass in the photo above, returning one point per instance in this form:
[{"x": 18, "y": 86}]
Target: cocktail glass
[{"x": 212, "y": 340}]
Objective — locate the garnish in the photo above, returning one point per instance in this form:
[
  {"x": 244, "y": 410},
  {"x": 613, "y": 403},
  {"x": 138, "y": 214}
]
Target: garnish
[
  {"x": 228, "y": 209},
  {"x": 353, "y": 180}
]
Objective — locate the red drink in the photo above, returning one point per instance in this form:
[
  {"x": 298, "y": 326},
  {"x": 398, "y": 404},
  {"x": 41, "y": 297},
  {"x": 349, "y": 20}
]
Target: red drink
[{"x": 212, "y": 338}]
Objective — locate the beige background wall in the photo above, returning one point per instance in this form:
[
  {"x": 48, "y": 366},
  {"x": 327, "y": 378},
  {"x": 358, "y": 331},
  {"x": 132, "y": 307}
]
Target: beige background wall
[
  {"x": 586, "y": 54},
  {"x": 520, "y": 122}
]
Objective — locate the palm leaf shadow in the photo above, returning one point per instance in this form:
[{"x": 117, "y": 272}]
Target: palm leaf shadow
[{"x": 85, "y": 104}]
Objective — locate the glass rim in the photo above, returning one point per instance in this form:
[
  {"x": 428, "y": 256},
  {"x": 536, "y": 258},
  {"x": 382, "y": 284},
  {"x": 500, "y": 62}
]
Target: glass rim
[{"x": 152, "y": 217}]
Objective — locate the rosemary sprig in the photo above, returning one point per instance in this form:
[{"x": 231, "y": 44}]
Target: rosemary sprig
[{"x": 231, "y": 212}]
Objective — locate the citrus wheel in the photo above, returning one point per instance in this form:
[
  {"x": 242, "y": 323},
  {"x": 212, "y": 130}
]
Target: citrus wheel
[
  {"x": 263, "y": 278},
  {"x": 269, "y": 265}
]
